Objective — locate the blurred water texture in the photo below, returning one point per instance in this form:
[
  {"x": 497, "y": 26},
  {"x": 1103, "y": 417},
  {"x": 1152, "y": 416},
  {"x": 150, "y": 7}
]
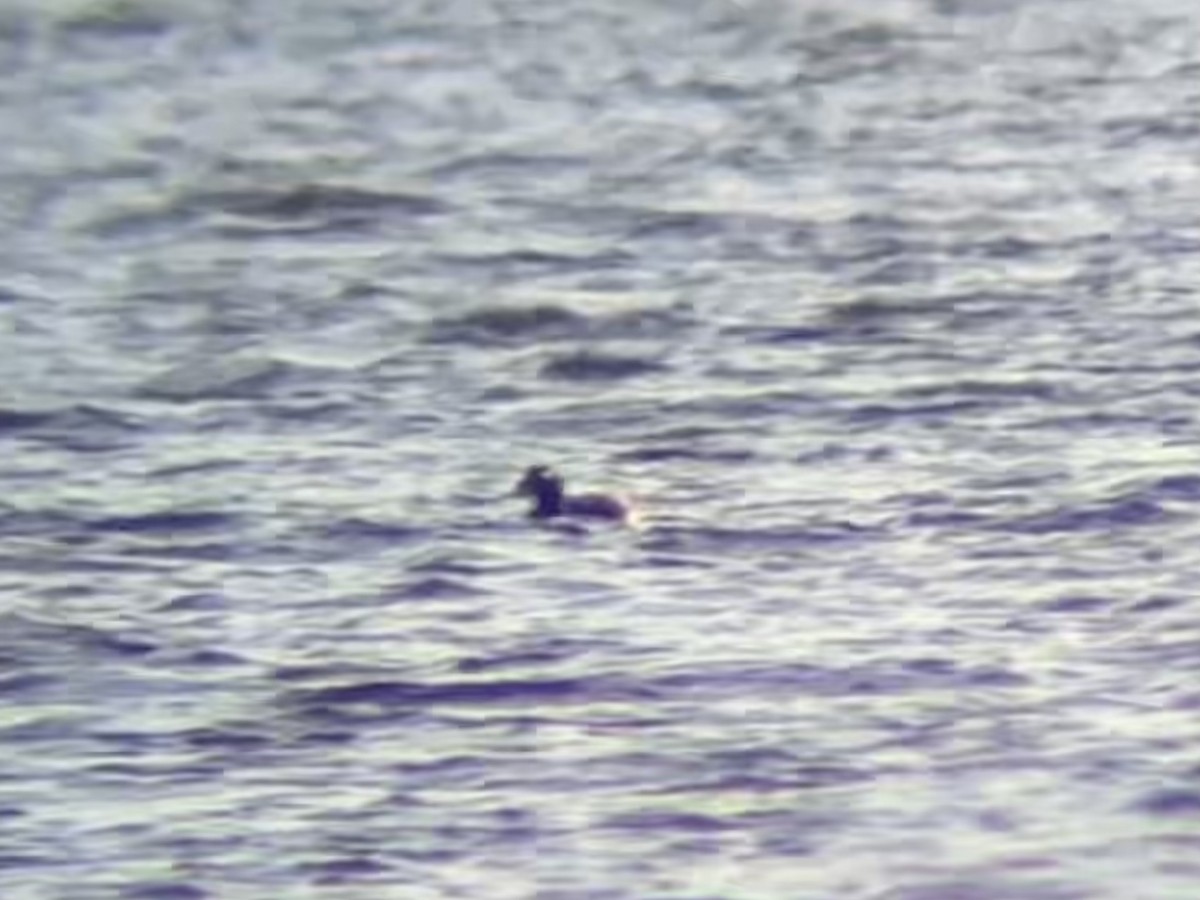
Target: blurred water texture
[{"x": 884, "y": 311}]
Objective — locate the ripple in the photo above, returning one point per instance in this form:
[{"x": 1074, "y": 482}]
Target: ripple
[
  {"x": 651, "y": 820},
  {"x": 540, "y": 322},
  {"x": 1018, "y": 388},
  {"x": 165, "y": 890},
  {"x": 1177, "y": 487},
  {"x": 237, "y": 739},
  {"x": 493, "y": 325},
  {"x": 995, "y": 888},
  {"x": 782, "y": 334},
  {"x": 118, "y": 19},
  {"x": 872, "y": 414},
  {"x": 881, "y": 677},
  {"x": 532, "y": 262},
  {"x": 42, "y": 650},
  {"x": 82, "y": 427},
  {"x": 1171, "y": 802},
  {"x": 11, "y": 860},
  {"x": 240, "y": 378},
  {"x": 675, "y": 454},
  {"x": 24, "y": 681},
  {"x": 305, "y": 199},
  {"x": 696, "y": 541},
  {"x": 436, "y": 588},
  {"x": 1129, "y": 512},
  {"x": 1076, "y": 604},
  {"x": 18, "y": 419},
  {"x": 388, "y": 694},
  {"x": 357, "y": 530},
  {"x": 309, "y": 208},
  {"x": 346, "y": 868},
  {"x": 593, "y": 365},
  {"x": 168, "y": 521}
]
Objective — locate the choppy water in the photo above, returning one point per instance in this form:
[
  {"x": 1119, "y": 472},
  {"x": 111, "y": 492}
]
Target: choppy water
[{"x": 886, "y": 312}]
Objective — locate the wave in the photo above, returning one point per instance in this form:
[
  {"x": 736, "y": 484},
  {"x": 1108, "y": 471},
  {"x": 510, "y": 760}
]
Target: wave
[
  {"x": 594, "y": 365},
  {"x": 250, "y": 211},
  {"x": 241, "y": 376},
  {"x": 168, "y": 521},
  {"x": 508, "y": 325}
]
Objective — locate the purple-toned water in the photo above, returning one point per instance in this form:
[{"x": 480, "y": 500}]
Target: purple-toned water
[{"x": 887, "y": 312}]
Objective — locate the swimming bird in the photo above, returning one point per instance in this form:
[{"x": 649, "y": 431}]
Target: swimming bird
[{"x": 547, "y": 489}]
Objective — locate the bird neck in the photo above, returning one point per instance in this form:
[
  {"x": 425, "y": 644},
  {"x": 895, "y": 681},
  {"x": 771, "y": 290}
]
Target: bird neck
[{"x": 549, "y": 500}]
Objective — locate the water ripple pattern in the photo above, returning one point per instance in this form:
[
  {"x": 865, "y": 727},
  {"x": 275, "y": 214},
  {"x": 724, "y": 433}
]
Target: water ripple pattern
[{"x": 883, "y": 313}]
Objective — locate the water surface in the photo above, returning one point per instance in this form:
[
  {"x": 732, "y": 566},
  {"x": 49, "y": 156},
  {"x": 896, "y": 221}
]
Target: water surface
[{"x": 883, "y": 311}]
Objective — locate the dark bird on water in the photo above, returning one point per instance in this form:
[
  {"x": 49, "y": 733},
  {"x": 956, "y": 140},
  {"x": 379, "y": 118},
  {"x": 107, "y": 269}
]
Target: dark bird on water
[{"x": 550, "y": 498}]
